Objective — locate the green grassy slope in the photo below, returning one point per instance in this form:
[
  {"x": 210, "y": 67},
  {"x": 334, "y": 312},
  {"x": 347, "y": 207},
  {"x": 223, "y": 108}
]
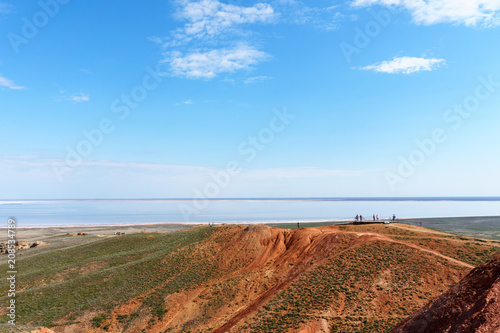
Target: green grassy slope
[{"x": 105, "y": 273}]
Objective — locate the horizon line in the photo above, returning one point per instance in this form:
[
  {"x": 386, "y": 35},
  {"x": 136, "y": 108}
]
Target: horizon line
[{"x": 385, "y": 198}]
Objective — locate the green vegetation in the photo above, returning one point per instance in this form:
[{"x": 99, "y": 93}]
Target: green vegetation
[
  {"x": 474, "y": 226},
  {"x": 351, "y": 284},
  {"x": 98, "y": 320},
  {"x": 473, "y": 251},
  {"x": 104, "y": 274},
  {"x": 476, "y": 253},
  {"x": 362, "y": 325},
  {"x": 365, "y": 284},
  {"x": 333, "y": 285}
]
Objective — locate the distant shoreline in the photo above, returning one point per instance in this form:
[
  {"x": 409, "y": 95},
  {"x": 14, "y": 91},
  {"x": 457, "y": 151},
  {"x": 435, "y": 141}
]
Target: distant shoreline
[
  {"x": 472, "y": 226},
  {"x": 134, "y": 224}
]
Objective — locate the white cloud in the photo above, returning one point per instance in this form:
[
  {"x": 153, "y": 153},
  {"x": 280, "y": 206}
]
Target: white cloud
[
  {"x": 211, "y": 17},
  {"x": 406, "y": 65},
  {"x": 204, "y": 46},
  {"x": 467, "y": 12},
  {"x": 208, "y": 64},
  {"x": 4, "y": 82},
  {"x": 256, "y": 79},
  {"x": 79, "y": 98}
]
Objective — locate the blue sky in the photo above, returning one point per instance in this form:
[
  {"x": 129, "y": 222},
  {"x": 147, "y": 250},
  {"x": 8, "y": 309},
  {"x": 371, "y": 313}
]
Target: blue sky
[{"x": 126, "y": 99}]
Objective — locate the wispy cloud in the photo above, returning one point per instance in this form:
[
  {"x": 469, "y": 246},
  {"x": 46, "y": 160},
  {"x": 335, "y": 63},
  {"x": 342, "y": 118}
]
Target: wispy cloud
[
  {"x": 34, "y": 176},
  {"x": 187, "y": 102},
  {"x": 208, "y": 64},
  {"x": 33, "y": 169},
  {"x": 205, "y": 45},
  {"x": 4, "y": 82},
  {"x": 297, "y": 173},
  {"x": 466, "y": 12},
  {"x": 171, "y": 169},
  {"x": 30, "y": 163},
  {"x": 79, "y": 98},
  {"x": 297, "y": 12},
  {"x": 406, "y": 65},
  {"x": 211, "y": 17},
  {"x": 26, "y": 162},
  {"x": 256, "y": 79},
  {"x": 211, "y": 21},
  {"x": 6, "y": 8}
]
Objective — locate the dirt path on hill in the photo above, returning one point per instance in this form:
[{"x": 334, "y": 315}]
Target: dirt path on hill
[
  {"x": 453, "y": 260},
  {"x": 363, "y": 237},
  {"x": 414, "y": 246}
]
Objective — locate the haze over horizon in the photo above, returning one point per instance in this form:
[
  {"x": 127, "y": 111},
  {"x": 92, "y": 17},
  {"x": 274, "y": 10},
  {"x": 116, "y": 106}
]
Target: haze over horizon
[{"x": 281, "y": 98}]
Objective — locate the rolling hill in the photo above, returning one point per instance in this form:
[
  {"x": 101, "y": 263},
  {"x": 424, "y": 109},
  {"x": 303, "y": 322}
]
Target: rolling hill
[{"x": 236, "y": 278}]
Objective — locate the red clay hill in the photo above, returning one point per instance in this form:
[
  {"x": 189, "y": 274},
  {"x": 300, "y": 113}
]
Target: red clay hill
[
  {"x": 473, "y": 305},
  {"x": 236, "y": 278}
]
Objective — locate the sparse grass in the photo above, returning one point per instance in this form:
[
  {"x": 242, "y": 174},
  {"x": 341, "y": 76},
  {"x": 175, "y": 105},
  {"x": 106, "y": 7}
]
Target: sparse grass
[
  {"x": 98, "y": 320},
  {"x": 155, "y": 258},
  {"x": 363, "y": 288},
  {"x": 353, "y": 280},
  {"x": 476, "y": 253}
]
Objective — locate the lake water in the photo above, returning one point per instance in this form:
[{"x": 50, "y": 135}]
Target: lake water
[{"x": 83, "y": 212}]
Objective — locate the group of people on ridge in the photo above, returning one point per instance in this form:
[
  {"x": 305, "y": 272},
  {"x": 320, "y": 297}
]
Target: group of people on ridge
[{"x": 359, "y": 218}]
